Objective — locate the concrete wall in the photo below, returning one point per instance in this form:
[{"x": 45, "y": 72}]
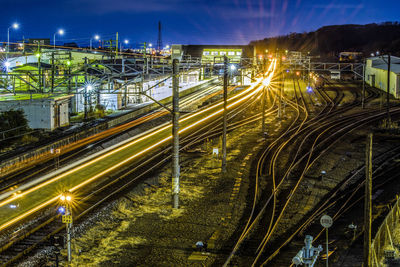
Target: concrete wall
[{"x": 381, "y": 79}]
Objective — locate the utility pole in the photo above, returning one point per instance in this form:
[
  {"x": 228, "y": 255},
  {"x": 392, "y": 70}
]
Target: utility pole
[
  {"x": 175, "y": 134},
  {"x": 263, "y": 111},
  {"x": 368, "y": 201},
  {"x": 116, "y": 46},
  {"x": 363, "y": 86},
  {"x": 280, "y": 94},
  {"x": 224, "y": 114},
  {"x": 52, "y": 71},
  {"x": 387, "y": 94}
]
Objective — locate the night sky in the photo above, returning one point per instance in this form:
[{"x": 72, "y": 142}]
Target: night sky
[{"x": 185, "y": 21}]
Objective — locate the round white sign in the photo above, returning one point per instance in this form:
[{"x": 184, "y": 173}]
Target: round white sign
[{"x": 326, "y": 221}]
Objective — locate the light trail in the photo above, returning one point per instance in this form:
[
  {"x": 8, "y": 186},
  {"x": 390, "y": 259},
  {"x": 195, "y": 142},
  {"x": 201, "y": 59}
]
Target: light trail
[{"x": 249, "y": 92}]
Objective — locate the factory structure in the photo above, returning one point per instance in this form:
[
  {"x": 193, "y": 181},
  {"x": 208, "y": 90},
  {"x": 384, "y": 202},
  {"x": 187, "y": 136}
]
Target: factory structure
[{"x": 376, "y": 73}]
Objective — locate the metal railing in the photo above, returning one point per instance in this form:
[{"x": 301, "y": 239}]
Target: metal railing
[{"x": 385, "y": 243}]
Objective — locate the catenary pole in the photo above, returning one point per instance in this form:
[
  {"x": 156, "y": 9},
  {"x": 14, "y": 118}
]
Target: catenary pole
[
  {"x": 388, "y": 92},
  {"x": 225, "y": 114},
  {"x": 368, "y": 201},
  {"x": 175, "y": 134}
]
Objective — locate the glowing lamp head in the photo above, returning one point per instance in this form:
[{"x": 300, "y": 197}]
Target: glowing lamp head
[
  {"x": 61, "y": 210},
  {"x": 68, "y": 63},
  {"x": 298, "y": 73},
  {"x": 7, "y": 64},
  {"x": 150, "y": 45},
  {"x": 233, "y": 67},
  {"x": 15, "y": 25},
  {"x": 283, "y": 58},
  {"x": 37, "y": 55},
  {"x": 96, "y": 37},
  {"x": 62, "y": 197},
  {"x": 68, "y": 198},
  {"x": 61, "y": 32},
  {"x": 89, "y": 87},
  {"x": 126, "y": 41},
  {"x": 167, "y": 47}
]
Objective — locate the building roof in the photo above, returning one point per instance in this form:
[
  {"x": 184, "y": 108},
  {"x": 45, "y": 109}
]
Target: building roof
[{"x": 380, "y": 62}]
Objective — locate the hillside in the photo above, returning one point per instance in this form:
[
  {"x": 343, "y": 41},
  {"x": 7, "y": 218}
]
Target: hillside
[{"x": 331, "y": 40}]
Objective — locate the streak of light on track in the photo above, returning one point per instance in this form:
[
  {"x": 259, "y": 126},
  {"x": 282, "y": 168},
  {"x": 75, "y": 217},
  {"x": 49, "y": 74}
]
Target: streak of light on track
[{"x": 16, "y": 215}]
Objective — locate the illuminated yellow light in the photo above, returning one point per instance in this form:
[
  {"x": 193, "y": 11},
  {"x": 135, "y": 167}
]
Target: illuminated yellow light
[
  {"x": 62, "y": 198},
  {"x": 68, "y": 198}
]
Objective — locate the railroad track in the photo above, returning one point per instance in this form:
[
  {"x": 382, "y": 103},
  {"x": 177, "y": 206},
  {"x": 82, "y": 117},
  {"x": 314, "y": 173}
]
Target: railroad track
[
  {"x": 319, "y": 130},
  {"x": 28, "y": 240},
  {"x": 82, "y": 146}
]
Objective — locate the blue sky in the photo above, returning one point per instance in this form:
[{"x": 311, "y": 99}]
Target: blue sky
[{"x": 185, "y": 21}]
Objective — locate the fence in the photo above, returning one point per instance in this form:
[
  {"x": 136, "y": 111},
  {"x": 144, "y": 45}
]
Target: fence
[{"x": 386, "y": 241}]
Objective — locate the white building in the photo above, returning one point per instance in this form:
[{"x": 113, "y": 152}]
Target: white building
[
  {"x": 376, "y": 73},
  {"x": 42, "y": 113}
]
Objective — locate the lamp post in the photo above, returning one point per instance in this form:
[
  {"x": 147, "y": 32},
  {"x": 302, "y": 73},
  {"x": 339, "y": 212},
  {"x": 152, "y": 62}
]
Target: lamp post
[
  {"x": 66, "y": 199},
  {"x": 14, "y": 26},
  {"x": 96, "y": 37},
  {"x": 60, "y": 32},
  {"x": 126, "y": 42}
]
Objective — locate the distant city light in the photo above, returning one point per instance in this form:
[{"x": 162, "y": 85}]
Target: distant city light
[
  {"x": 298, "y": 73},
  {"x": 167, "y": 47},
  {"x": 309, "y": 89},
  {"x": 377, "y": 53},
  {"x": 13, "y": 206}
]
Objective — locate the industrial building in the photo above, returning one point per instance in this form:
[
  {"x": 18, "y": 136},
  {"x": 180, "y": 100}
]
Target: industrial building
[
  {"x": 41, "y": 113},
  {"x": 376, "y": 73}
]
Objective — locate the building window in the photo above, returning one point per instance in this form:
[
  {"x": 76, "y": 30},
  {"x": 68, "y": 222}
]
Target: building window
[
  {"x": 239, "y": 53},
  {"x": 206, "y": 53},
  {"x": 222, "y": 53},
  {"x": 214, "y": 53},
  {"x": 231, "y": 53}
]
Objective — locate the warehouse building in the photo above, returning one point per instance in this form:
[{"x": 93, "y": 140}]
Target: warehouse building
[{"x": 376, "y": 73}]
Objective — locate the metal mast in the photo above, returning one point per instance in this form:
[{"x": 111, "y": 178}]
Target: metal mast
[{"x": 159, "y": 40}]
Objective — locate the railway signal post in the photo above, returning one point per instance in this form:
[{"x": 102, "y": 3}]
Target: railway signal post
[
  {"x": 66, "y": 199},
  {"x": 326, "y": 222}
]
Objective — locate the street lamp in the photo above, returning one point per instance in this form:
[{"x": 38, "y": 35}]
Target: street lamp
[
  {"x": 96, "y": 37},
  {"x": 126, "y": 41},
  {"x": 66, "y": 199},
  {"x": 14, "y": 26},
  {"x": 60, "y": 32}
]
